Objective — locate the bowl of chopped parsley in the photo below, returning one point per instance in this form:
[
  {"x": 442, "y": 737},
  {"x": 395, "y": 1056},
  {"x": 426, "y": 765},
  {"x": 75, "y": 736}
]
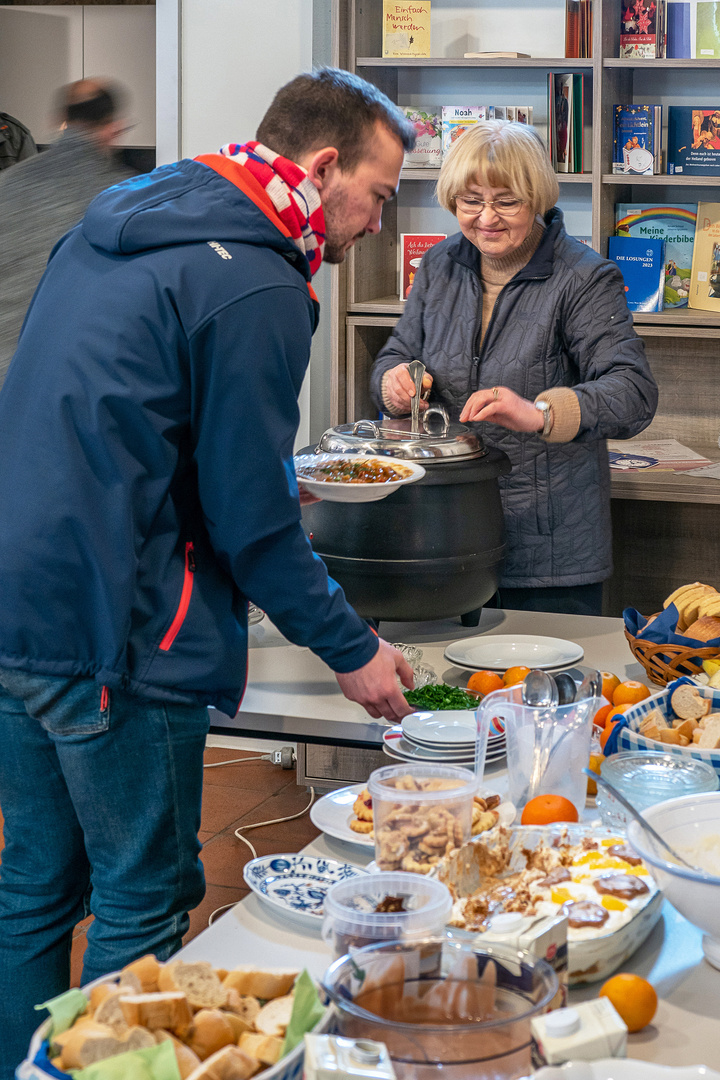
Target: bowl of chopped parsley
[{"x": 441, "y": 697}]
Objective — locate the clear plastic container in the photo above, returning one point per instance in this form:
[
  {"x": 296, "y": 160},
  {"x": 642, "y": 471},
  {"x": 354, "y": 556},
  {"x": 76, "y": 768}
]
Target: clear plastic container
[
  {"x": 420, "y": 813},
  {"x": 443, "y": 1007},
  {"x": 352, "y": 921},
  {"x": 646, "y": 779}
]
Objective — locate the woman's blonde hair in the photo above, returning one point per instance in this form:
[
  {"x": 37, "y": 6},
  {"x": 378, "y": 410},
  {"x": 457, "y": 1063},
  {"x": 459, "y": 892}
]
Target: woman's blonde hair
[{"x": 500, "y": 154}]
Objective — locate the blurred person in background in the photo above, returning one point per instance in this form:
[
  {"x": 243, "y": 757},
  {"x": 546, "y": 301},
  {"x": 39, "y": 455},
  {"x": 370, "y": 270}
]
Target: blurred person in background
[
  {"x": 16, "y": 142},
  {"x": 49, "y": 193}
]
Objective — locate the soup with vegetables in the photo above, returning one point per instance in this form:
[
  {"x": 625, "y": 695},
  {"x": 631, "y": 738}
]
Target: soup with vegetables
[{"x": 352, "y": 471}]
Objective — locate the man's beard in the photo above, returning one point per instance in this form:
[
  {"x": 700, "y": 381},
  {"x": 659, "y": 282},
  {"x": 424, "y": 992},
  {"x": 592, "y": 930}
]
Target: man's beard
[{"x": 336, "y": 238}]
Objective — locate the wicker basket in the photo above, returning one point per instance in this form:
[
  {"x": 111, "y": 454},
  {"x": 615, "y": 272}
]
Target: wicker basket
[{"x": 665, "y": 662}]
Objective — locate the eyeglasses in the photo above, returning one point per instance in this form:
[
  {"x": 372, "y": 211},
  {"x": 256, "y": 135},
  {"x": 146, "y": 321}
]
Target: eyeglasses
[{"x": 505, "y": 206}]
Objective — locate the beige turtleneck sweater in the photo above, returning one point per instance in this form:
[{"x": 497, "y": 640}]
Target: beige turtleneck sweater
[{"x": 494, "y": 274}]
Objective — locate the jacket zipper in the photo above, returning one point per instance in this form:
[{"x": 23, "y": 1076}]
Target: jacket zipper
[{"x": 175, "y": 625}]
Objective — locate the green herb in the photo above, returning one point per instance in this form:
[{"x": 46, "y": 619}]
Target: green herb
[{"x": 440, "y": 696}]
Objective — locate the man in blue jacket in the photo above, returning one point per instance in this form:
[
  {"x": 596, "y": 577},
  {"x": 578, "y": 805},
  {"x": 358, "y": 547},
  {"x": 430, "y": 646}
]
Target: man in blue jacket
[{"x": 147, "y": 493}]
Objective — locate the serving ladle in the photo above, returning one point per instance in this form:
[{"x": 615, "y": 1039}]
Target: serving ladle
[
  {"x": 539, "y": 691},
  {"x": 644, "y": 825}
]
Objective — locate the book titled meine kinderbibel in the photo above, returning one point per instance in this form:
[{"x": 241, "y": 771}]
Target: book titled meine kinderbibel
[
  {"x": 412, "y": 248},
  {"x": 705, "y": 277},
  {"x": 675, "y": 224},
  {"x": 406, "y": 28},
  {"x": 642, "y": 264}
]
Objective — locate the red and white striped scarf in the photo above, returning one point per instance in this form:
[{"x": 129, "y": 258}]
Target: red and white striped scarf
[{"x": 292, "y": 193}]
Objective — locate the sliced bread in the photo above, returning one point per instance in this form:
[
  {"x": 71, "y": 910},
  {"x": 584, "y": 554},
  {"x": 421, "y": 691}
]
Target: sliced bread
[
  {"x": 687, "y": 703},
  {"x": 264, "y": 1048},
  {"x": 197, "y": 981},
  {"x": 187, "y": 1060},
  {"x": 710, "y": 737},
  {"x": 270, "y": 983},
  {"x": 164, "y": 1009},
  {"x": 211, "y": 1030},
  {"x": 274, "y": 1017},
  {"x": 230, "y": 1063}
]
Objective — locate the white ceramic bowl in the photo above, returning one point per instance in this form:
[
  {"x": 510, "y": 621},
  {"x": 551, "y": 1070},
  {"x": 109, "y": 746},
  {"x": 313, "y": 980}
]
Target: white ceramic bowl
[
  {"x": 684, "y": 823},
  {"x": 338, "y": 491}
]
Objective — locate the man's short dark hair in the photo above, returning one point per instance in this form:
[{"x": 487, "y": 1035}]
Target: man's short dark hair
[
  {"x": 330, "y": 107},
  {"x": 90, "y": 102}
]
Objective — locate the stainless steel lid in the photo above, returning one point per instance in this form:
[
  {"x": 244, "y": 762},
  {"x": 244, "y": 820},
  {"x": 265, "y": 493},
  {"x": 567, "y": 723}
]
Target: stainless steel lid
[{"x": 437, "y": 438}]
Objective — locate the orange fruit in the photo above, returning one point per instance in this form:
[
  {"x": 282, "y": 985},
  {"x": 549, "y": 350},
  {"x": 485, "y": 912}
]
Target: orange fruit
[
  {"x": 609, "y": 682},
  {"x": 630, "y": 692},
  {"x": 484, "y": 682},
  {"x": 515, "y": 675},
  {"x": 610, "y": 723},
  {"x": 633, "y": 997},
  {"x": 601, "y": 715},
  {"x": 594, "y": 764},
  {"x": 544, "y": 809}
]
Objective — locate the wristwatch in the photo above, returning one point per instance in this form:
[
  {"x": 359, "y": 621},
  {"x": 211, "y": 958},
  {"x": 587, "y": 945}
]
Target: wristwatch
[{"x": 546, "y": 409}]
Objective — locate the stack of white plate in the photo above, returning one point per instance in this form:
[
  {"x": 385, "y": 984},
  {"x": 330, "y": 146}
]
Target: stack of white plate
[{"x": 440, "y": 737}]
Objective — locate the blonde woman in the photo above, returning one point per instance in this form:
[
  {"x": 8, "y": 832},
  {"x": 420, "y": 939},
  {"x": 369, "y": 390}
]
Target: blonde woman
[{"x": 525, "y": 332}]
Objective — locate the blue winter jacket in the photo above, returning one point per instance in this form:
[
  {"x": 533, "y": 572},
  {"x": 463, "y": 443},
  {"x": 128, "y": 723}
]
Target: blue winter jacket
[{"x": 147, "y": 422}]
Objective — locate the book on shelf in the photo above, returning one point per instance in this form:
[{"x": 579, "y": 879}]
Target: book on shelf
[
  {"x": 497, "y": 55},
  {"x": 642, "y": 29},
  {"x": 693, "y": 140},
  {"x": 680, "y": 38},
  {"x": 707, "y": 30},
  {"x": 406, "y": 28},
  {"x": 673, "y": 224},
  {"x": 427, "y": 151},
  {"x": 456, "y": 119},
  {"x": 637, "y": 135},
  {"x": 412, "y": 248},
  {"x": 566, "y": 121},
  {"x": 705, "y": 277},
  {"x": 578, "y": 28},
  {"x": 642, "y": 265}
]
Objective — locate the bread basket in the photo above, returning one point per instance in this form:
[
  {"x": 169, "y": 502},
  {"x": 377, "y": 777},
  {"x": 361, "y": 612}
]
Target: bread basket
[{"x": 664, "y": 662}]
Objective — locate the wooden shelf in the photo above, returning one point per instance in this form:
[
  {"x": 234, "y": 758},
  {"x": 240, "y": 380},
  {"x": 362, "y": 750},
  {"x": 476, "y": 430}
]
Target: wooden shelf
[
  {"x": 684, "y": 64},
  {"x": 676, "y": 487},
  {"x": 560, "y": 63},
  {"x": 661, "y": 178},
  {"x": 433, "y": 172}
]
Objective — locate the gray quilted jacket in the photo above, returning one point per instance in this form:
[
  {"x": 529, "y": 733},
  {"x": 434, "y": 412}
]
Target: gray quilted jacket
[{"x": 561, "y": 321}]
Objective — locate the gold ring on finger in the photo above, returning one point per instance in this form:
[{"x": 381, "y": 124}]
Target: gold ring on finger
[{"x": 496, "y": 393}]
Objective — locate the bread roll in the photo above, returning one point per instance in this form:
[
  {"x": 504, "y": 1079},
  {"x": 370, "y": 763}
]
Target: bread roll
[
  {"x": 197, "y": 981},
  {"x": 211, "y": 1030},
  {"x": 271, "y": 983},
  {"x": 706, "y": 628},
  {"x": 87, "y": 1044},
  {"x": 685, "y": 727},
  {"x": 710, "y": 737},
  {"x": 274, "y": 1017},
  {"x": 673, "y": 736},
  {"x": 688, "y": 704},
  {"x": 110, "y": 1012},
  {"x": 146, "y": 970},
  {"x": 655, "y": 718},
  {"x": 187, "y": 1059},
  {"x": 230, "y": 1063},
  {"x": 264, "y": 1048},
  {"x": 164, "y": 1009},
  {"x": 243, "y": 1006}
]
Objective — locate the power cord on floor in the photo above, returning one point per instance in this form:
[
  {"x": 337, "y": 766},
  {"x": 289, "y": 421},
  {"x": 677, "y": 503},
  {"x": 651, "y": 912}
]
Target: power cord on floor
[
  {"x": 258, "y": 825},
  {"x": 237, "y": 761}
]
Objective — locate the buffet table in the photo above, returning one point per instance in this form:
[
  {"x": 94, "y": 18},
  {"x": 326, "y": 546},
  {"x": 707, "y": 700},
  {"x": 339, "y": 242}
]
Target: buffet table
[{"x": 292, "y": 695}]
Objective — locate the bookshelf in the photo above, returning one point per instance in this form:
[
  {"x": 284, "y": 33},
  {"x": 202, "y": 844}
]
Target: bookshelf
[{"x": 683, "y": 345}]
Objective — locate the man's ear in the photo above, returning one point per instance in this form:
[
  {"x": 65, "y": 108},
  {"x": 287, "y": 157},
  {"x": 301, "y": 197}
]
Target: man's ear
[{"x": 321, "y": 165}]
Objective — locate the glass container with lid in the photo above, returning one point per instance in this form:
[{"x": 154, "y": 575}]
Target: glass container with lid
[
  {"x": 649, "y": 778},
  {"x": 437, "y": 437}
]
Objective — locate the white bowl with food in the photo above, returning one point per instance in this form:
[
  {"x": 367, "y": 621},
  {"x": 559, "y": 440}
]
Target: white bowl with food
[
  {"x": 691, "y": 825},
  {"x": 612, "y": 903},
  {"x": 354, "y": 477}
]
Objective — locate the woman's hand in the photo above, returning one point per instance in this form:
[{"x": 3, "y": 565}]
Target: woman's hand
[
  {"x": 502, "y": 406},
  {"x": 399, "y": 389},
  {"x": 306, "y": 499}
]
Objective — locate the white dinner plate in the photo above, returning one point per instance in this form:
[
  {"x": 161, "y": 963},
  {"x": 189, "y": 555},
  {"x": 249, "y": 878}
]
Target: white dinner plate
[
  {"x": 332, "y": 815},
  {"x": 623, "y": 1069},
  {"x": 497, "y": 652},
  {"x": 401, "y": 747},
  {"x": 456, "y": 728},
  {"x": 337, "y": 491},
  {"x": 295, "y": 885}
]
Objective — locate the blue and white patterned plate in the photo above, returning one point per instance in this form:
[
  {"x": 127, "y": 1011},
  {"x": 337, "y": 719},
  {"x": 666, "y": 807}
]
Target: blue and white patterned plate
[{"x": 296, "y": 884}]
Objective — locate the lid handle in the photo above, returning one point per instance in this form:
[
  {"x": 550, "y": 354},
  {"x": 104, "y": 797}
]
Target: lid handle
[
  {"x": 436, "y": 410},
  {"x": 416, "y": 370},
  {"x": 360, "y": 424}
]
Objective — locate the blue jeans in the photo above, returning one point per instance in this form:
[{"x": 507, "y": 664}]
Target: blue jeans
[{"x": 101, "y": 795}]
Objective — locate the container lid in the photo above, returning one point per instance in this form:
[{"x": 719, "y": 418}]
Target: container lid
[
  {"x": 437, "y": 438},
  {"x": 508, "y": 922},
  {"x": 350, "y": 905},
  {"x": 381, "y": 783},
  {"x": 561, "y": 1023}
]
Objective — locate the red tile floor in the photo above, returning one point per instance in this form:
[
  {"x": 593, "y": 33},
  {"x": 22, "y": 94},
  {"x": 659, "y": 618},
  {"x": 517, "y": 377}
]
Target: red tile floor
[{"x": 235, "y": 795}]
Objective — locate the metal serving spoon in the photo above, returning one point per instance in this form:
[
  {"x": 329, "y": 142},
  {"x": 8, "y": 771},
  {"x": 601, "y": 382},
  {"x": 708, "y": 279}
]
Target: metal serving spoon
[
  {"x": 644, "y": 825},
  {"x": 539, "y": 691}
]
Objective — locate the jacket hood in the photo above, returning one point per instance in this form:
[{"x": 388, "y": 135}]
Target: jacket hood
[{"x": 183, "y": 203}]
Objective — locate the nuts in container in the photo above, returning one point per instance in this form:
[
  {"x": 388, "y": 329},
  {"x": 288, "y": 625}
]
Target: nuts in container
[{"x": 420, "y": 814}]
